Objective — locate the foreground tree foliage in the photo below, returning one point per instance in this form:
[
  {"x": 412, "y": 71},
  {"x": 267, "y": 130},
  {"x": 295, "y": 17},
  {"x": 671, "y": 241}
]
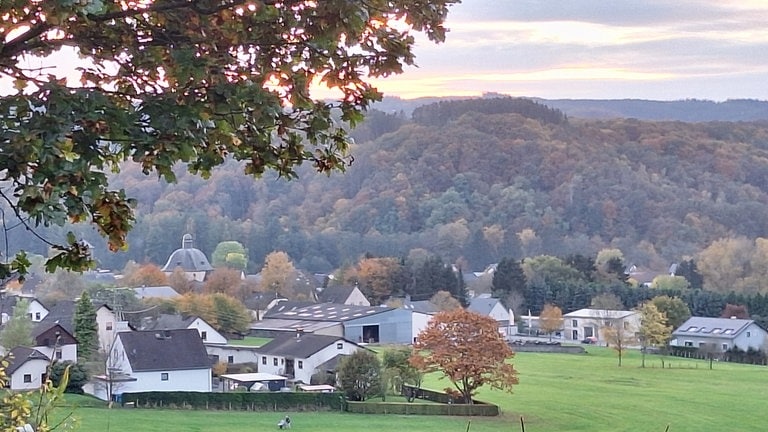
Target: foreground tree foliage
[
  {"x": 468, "y": 349},
  {"x": 194, "y": 81}
]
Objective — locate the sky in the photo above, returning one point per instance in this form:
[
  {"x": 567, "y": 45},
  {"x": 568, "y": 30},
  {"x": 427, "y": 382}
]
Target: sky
[
  {"x": 584, "y": 49},
  {"x": 595, "y": 49}
]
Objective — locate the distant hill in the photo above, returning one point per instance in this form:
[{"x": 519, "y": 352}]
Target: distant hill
[
  {"x": 691, "y": 110},
  {"x": 474, "y": 181}
]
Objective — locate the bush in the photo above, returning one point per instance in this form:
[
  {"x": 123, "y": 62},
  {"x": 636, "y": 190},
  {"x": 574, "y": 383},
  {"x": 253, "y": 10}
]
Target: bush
[{"x": 241, "y": 401}]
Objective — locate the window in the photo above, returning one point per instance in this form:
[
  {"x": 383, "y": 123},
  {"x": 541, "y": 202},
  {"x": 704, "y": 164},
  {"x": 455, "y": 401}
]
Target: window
[
  {"x": 109, "y": 325},
  {"x": 37, "y": 316},
  {"x": 231, "y": 359},
  {"x": 204, "y": 335},
  {"x": 164, "y": 376},
  {"x": 688, "y": 343},
  {"x": 274, "y": 361},
  {"x": 725, "y": 347},
  {"x": 301, "y": 364},
  {"x": 263, "y": 360},
  {"x": 574, "y": 323},
  {"x": 626, "y": 325},
  {"x": 58, "y": 354},
  {"x": 340, "y": 345},
  {"x": 27, "y": 378},
  {"x": 282, "y": 361},
  {"x": 749, "y": 334}
]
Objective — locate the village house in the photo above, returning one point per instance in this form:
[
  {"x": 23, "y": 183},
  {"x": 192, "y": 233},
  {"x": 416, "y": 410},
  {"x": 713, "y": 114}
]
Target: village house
[
  {"x": 300, "y": 355},
  {"x": 720, "y": 334},
  {"x": 167, "y": 360},
  {"x": 586, "y": 324}
]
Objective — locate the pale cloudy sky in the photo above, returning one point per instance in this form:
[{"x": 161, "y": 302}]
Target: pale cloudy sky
[
  {"x": 580, "y": 49},
  {"x": 597, "y": 49}
]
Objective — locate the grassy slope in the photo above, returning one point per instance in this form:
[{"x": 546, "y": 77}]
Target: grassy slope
[{"x": 556, "y": 393}]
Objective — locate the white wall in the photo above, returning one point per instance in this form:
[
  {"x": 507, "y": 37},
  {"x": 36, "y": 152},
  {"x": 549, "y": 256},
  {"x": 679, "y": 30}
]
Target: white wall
[
  {"x": 756, "y": 338},
  {"x": 239, "y": 354},
  {"x": 106, "y": 323},
  {"x": 499, "y": 312},
  {"x": 35, "y": 368},
  {"x": 68, "y": 352},
  {"x": 211, "y": 335},
  {"x": 357, "y": 298},
  {"x": 183, "y": 380},
  {"x": 308, "y": 364},
  {"x": 37, "y": 311},
  {"x": 419, "y": 322}
]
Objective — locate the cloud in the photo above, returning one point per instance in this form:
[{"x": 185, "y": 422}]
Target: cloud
[{"x": 694, "y": 46}]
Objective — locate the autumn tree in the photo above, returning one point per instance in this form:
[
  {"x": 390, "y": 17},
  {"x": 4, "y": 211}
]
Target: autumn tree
[
  {"x": 86, "y": 328},
  {"x": 467, "y": 348},
  {"x": 224, "y": 313},
  {"x": 653, "y": 330},
  {"x": 18, "y": 330},
  {"x": 379, "y": 278},
  {"x": 551, "y": 319},
  {"x": 225, "y": 280},
  {"x": 179, "y": 281},
  {"x": 735, "y": 311},
  {"x": 671, "y": 283},
  {"x": 278, "y": 275},
  {"x": 360, "y": 375},
  {"x": 192, "y": 82},
  {"x": 618, "y": 333},
  {"x": 143, "y": 275},
  {"x": 444, "y": 301}
]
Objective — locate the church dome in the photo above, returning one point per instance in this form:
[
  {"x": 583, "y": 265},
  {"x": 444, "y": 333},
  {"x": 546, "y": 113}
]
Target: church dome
[{"x": 188, "y": 258}]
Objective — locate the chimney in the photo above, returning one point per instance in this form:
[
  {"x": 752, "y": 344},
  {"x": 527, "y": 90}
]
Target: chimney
[
  {"x": 299, "y": 332},
  {"x": 733, "y": 317}
]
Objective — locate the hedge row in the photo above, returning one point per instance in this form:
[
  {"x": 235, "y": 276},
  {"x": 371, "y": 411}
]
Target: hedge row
[
  {"x": 241, "y": 401},
  {"x": 422, "y": 408}
]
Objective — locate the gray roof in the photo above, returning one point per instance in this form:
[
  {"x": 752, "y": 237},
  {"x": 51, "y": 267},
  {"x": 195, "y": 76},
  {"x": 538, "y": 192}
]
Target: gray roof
[
  {"x": 483, "y": 305},
  {"x": 63, "y": 312},
  {"x": 335, "y": 294},
  {"x": 304, "y": 346},
  {"x": 165, "y": 350},
  {"x": 188, "y": 258},
  {"x": 167, "y": 322},
  {"x": 721, "y": 328},
  {"x": 324, "y": 312},
  {"x": 20, "y": 355},
  {"x": 292, "y": 325},
  {"x": 422, "y": 306},
  {"x": 163, "y": 291}
]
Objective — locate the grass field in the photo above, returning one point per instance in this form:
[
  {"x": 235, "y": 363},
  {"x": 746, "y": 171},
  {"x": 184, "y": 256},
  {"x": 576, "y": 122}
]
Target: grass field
[
  {"x": 250, "y": 341},
  {"x": 557, "y": 392}
]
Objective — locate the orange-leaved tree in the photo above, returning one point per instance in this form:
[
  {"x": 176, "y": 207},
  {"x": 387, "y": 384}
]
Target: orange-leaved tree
[
  {"x": 468, "y": 349},
  {"x": 551, "y": 319}
]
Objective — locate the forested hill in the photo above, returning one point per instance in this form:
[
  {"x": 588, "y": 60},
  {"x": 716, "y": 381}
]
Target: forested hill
[
  {"x": 478, "y": 188},
  {"x": 690, "y": 110}
]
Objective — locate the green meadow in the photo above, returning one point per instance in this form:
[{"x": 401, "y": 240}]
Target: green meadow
[{"x": 557, "y": 392}]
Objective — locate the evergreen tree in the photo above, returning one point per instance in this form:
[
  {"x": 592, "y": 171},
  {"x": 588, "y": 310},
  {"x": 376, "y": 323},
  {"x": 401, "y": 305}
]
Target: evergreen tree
[
  {"x": 86, "y": 329},
  {"x": 690, "y": 272},
  {"x": 508, "y": 279}
]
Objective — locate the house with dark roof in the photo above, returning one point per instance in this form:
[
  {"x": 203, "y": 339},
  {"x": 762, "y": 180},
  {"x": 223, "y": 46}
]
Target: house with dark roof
[
  {"x": 63, "y": 312},
  {"x": 55, "y": 341},
  {"x": 348, "y": 295},
  {"x": 300, "y": 355},
  {"x": 208, "y": 334},
  {"x": 721, "y": 334},
  {"x": 27, "y": 368},
  {"x": 164, "y": 360},
  {"x": 192, "y": 261}
]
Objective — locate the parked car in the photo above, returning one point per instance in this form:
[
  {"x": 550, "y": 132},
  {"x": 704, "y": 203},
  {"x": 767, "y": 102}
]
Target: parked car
[{"x": 591, "y": 340}]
